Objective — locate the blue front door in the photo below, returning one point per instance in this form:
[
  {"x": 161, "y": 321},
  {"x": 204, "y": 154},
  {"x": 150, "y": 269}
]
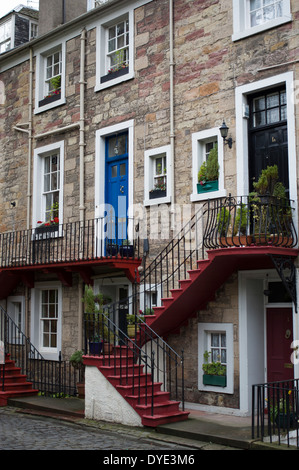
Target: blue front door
[{"x": 117, "y": 187}]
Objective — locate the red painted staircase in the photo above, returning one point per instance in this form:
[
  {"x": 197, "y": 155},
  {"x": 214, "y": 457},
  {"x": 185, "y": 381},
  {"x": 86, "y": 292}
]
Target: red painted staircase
[
  {"x": 153, "y": 405},
  {"x": 195, "y": 292},
  {"x": 15, "y": 384}
]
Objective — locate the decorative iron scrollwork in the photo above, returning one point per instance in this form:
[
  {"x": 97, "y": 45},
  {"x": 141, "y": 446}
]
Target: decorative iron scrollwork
[{"x": 287, "y": 273}]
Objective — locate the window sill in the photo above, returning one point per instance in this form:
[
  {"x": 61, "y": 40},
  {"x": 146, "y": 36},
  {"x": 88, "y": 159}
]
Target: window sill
[
  {"x": 45, "y": 106},
  {"x": 260, "y": 28},
  {"x": 208, "y": 195},
  {"x": 160, "y": 200},
  {"x": 107, "y": 81}
]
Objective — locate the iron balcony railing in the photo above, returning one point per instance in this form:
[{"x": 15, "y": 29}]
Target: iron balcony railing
[
  {"x": 50, "y": 377},
  {"x": 248, "y": 221},
  {"x": 275, "y": 412},
  {"x": 69, "y": 242}
]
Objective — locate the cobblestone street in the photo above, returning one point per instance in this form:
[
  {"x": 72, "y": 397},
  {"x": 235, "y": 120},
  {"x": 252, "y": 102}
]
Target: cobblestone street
[{"x": 26, "y": 432}]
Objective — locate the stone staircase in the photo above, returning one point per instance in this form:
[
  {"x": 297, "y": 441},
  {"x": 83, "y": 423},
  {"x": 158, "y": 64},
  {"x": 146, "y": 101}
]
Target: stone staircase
[
  {"x": 15, "y": 383},
  {"x": 135, "y": 385}
]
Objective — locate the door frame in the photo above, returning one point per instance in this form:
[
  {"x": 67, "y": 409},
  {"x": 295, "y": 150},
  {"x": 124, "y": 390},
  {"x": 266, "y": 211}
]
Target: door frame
[
  {"x": 252, "y": 327},
  {"x": 242, "y": 141},
  {"x": 100, "y": 165}
]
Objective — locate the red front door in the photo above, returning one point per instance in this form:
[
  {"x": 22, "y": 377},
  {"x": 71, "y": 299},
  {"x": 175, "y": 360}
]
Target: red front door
[{"x": 279, "y": 339}]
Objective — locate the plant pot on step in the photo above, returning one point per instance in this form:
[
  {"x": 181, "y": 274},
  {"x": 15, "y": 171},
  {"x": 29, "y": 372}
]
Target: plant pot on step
[
  {"x": 81, "y": 389},
  {"x": 107, "y": 348}
]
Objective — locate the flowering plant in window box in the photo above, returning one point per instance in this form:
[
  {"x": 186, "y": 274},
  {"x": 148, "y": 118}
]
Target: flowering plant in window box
[
  {"x": 159, "y": 189},
  {"x": 47, "y": 227},
  {"x": 116, "y": 71},
  {"x": 54, "y": 94}
]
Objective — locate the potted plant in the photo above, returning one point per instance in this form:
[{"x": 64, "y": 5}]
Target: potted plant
[
  {"x": 240, "y": 234},
  {"x": 121, "y": 67},
  {"x": 111, "y": 249},
  {"x": 281, "y": 411},
  {"x": 76, "y": 361},
  {"x": 98, "y": 332},
  {"x": 223, "y": 226},
  {"x": 126, "y": 249},
  {"x": 208, "y": 174},
  {"x": 159, "y": 189},
  {"x": 55, "y": 93},
  {"x": 132, "y": 324},
  {"x": 214, "y": 372},
  {"x": 52, "y": 224},
  {"x": 270, "y": 207}
]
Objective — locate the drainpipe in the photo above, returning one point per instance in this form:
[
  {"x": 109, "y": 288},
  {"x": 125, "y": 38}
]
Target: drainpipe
[
  {"x": 82, "y": 132},
  {"x": 30, "y": 139},
  {"x": 82, "y": 173},
  {"x": 172, "y": 136}
]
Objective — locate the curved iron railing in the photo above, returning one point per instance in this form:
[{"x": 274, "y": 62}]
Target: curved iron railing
[{"x": 249, "y": 220}]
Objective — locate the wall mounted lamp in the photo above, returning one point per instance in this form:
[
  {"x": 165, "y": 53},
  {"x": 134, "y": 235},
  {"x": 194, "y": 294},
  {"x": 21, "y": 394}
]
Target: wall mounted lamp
[{"x": 224, "y": 131}]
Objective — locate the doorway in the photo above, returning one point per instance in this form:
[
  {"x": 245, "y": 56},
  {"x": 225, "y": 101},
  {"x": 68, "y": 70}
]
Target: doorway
[
  {"x": 279, "y": 339},
  {"x": 116, "y": 185},
  {"x": 268, "y": 134}
]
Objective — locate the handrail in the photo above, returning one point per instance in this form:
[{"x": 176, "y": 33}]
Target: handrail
[
  {"x": 49, "y": 377},
  {"x": 275, "y": 411},
  {"x": 69, "y": 242},
  {"x": 148, "y": 351}
]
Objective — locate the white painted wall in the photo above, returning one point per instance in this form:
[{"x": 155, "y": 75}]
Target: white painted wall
[{"x": 104, "y": 403}]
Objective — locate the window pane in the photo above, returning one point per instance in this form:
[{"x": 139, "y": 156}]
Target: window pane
[
  {"x": 215, "y": 339},
  {"x": 111, "y": 32},
  {"x": 122, "y": 169},
  {"x": 111, "y": 45},
  {"x": 215, "y": 355},
  {"x": 273, "y": 115},
  {"x": 114, "y": 171}
]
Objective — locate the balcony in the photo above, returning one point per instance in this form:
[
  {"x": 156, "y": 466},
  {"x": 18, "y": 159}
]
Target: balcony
[
  {"x": 87, "y": 247},
  {"x": 249, "y": 221}
]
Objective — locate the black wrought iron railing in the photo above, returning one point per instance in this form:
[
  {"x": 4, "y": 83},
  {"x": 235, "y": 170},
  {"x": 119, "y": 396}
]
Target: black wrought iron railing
[
  {"x": 275, "y": 412},
  {"x": 144, "y": 361},
  {"x": 57, "y": 378},
  {"x": 249, "y": 220},
  {"x": 70, "y": 242}
]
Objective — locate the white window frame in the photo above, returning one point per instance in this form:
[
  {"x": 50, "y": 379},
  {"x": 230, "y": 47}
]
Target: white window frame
[
  {"x": 41, "y": 89},
  {"x": 102, "y": 64},
  {"x": 149, "y": 175},
  {"x": 8, "y": 39},
  {"x": 91, "y": 4},
  {"x": 38, "y": 209},
  {"x": 241, "y": 20},
  {"x": 204, "y": 332},
  {"x": 199, "y": 140},
  {"x": 101, "y": 135},
  {"x": 33, "y": 29},
  {"x": 47, "y": 353}
]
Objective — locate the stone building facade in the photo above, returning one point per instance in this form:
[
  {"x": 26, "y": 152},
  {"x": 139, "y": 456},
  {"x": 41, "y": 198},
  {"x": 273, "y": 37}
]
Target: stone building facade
[{"x": 191, "y": 66}]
